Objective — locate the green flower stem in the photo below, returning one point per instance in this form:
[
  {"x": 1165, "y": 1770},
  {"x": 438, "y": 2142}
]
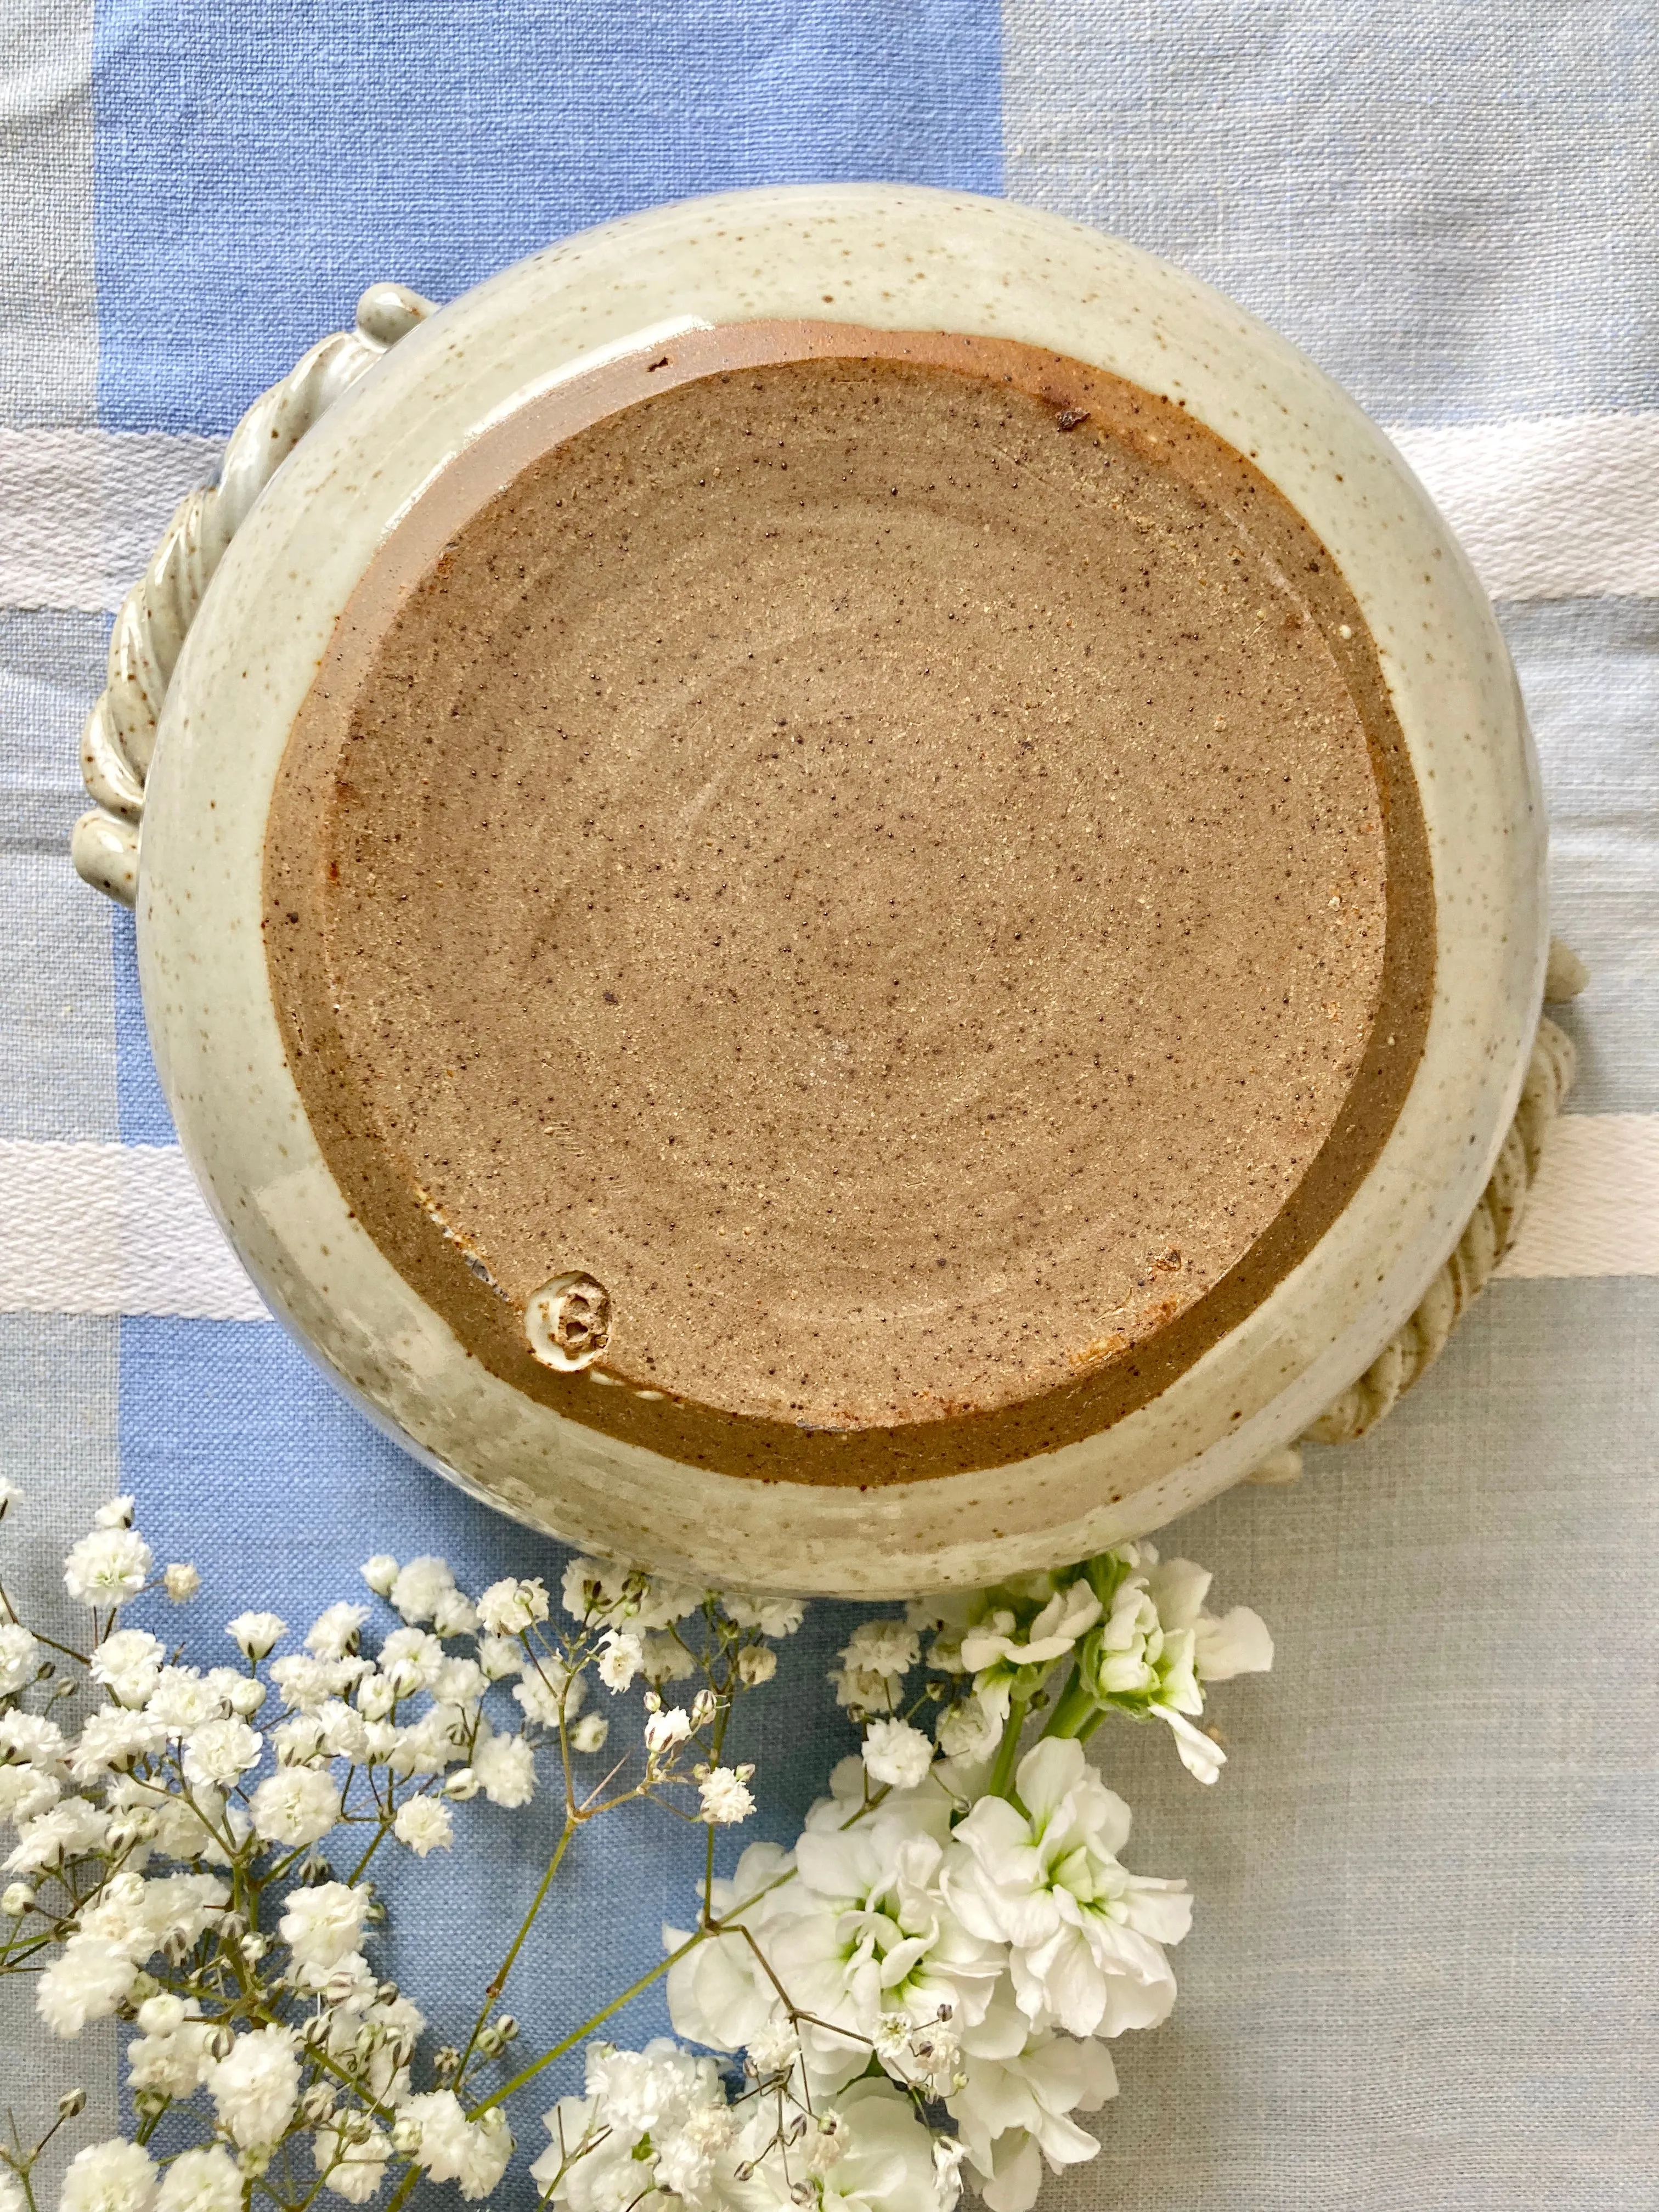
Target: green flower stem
[
  {"x": 577, "y": 2034},
  {"x": 1076, "y": 1711},
  {"x": 493, "y": 1993},
  {"x": 1001, "y": 1783}
]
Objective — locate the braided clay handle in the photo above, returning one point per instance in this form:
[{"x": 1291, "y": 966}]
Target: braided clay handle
[
  {"x": 1488, "y": 1234},
  {"x": 119, "y": 736}
]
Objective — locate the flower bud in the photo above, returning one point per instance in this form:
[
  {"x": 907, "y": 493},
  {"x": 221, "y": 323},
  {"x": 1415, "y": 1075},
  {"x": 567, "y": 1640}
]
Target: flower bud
[
  {"x": 405, "y": 2136},
  {"x": 704, "y": 1706},
  {"x": 381, "y": 1572},
  {"x": 508, "y": 2028},
  {"x": 16, "y": 1899},
  {"x": 71, "y": 2104},
  {"x": 461, "y": 1785}
]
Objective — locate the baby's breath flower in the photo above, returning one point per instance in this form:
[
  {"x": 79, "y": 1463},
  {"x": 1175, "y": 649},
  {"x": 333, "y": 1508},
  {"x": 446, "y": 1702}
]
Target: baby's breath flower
[
  {"x": 353, "y": 2160},
  {"x": 666, "y": 1729},
  {"x": 220, "y": 1752},
  {"x": 107, "y": 1567},
  {"x": 128, "y": 1664},
  {"x": 506, "y": 1768},
  {"x": 380, "y": 1573},
  {"x": 117, "y": 1514},
  {"x": 665, "y": 1659},
  {"x": 424, "y": 1825},
  {"x": 256, "y": 2087},
  {"x": 500, "y": 1657},
  {"x": 454, "y": 1615},
  {"x": 886, "y": 1648},
  {"x": 15, "y": 1899},
  {"x": 181, "y": 1701},
  {"x": 590, "y": 1733},
  {"x": 87, "y": 1980},
  {"x": 450, "y": 2147},
  {"x": 727, "y": 1798},
  {"x": 297, "y": 1805},
  {"x": 255, "y": 1633},
  {"x": 19, "y": 1658},
  {"x": 773, "y": 1616},
  {"x": 756, "y": 1663},
  {"x": 620, "y": 1657},
  {"x": 202, "y": 2180},
  {"x": 322, "y": 1925},
  {"x": 548, "y": 1690},
  {"x": 897, "y": 1754},
  {"x": 243, "y": 1694},
  {"x": 181, "y": 1582},
  {"x": 109, "y": 2177},
  {"x": 593, "y": 1589},
  {"x": 334, "y": 1632},
  {"x": 508, "y": 1608},
  {"x": 419, "y": 1587}
]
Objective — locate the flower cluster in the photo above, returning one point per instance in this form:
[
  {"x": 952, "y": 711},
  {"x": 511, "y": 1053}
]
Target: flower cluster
[
  {"x": 954, "y": 1928},
  {"x": 169, "y": 1820},
  {"x": 920, "y": 1992}
]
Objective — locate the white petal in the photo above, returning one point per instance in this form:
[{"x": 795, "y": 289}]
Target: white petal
[{"x": 1237, "y": 1643}]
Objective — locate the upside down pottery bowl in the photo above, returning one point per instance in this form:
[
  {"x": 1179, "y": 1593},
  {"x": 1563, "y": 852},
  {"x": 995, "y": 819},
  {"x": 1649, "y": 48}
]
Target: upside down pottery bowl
[{"x": 841, "y": 886}]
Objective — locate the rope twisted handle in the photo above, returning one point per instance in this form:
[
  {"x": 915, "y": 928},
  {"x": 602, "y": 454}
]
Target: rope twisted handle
[
  {"x": 119, "y": 736},
  {"x": 1488, "y": 1234}
]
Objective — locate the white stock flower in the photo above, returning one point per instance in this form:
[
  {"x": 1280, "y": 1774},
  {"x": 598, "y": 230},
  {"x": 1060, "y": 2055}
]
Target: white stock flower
[
  {"x": 380, "y": 1572},
  {"x": 352, "y": 2163},
  {"x": 181, "y": 1581},
  {"x": 107, "y": 1567},
  {"x": 968, "y": 1730},
  {"x": 590, "y": 1733},
  {"x": 296, "y": 1805},
  {"x": 508, "y": 1608},
  {"x": 451, "y": 2148},
  {"x": 335, "y": 1631},
  {"x": 419, "y": 1587},
  {"x": 220, "y": 1752},
  {"x": 1085, "y": 1936},
  {"x": 86, "y": 1981},
  {"x": 866, "y": 1931},
  {"x": 897, "y": 1754},
  {"x": 772, "y": 1616},
  {"x": 1014, "y": 2111},
  {"x": 424, "y": 1825},
  {"x": 256, "y": 2087},
  {"x": 254, "y": 1634},
  {"x": 995, "y": 1648},
  {"x": 506, "y": 1769},
  {"x": 203, "y": 2180},
  {"x": 620, "y": 1658},
  {"x": 109, "y": 2177},
  {"x": 320, "y": 1924},
  {"x": 717, "y": 1994},
  {"x": 18, "y": 1657}
]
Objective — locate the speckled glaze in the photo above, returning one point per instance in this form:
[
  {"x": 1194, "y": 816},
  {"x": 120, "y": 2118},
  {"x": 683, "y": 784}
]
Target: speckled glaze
[{"x": 894, "y": 259}]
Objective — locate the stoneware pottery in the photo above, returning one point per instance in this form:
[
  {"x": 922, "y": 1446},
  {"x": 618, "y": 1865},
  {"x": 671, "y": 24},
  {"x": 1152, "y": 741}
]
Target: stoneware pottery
[{"x": 841, "y": 888}]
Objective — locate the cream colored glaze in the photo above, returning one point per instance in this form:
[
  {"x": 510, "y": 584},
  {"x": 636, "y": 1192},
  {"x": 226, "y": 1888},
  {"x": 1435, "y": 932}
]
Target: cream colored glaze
[{"x": 899, "y": 258}]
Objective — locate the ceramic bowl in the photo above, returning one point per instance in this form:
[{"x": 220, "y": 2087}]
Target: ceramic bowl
[{"x": 894, "y": 260}]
